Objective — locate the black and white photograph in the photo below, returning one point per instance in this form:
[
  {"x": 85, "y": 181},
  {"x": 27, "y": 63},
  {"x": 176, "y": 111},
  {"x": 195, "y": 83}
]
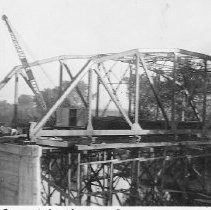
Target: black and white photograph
[{"x": 105, "y": 103}]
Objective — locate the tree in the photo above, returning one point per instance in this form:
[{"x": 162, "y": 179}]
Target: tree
[
  {"x": 27, "y": 111},
  {"x": 25, "y": 100},
  {"x": 72, "y": 101},
  {"x": 188, "y": 74},
  {"x": 6, "y": 112}
]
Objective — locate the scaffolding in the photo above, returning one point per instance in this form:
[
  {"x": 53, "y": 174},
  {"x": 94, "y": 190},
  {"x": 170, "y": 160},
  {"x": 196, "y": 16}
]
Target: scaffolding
[{"x": 139, "y": 175}]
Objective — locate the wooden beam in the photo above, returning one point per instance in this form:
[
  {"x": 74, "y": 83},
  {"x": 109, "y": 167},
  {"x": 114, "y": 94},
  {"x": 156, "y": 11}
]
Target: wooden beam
[
  {"x": 140, "y": 145},
  {"x": 143, "y": 159},
  {"x": 117, "y": 132},
  {"x": 64, "y": 144},
  {"x": 49, "y": 143}
]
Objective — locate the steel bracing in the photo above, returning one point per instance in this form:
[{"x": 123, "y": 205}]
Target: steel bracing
[
  {"x": 187, "y": 72},
  {"x": 110, "y": 71}
]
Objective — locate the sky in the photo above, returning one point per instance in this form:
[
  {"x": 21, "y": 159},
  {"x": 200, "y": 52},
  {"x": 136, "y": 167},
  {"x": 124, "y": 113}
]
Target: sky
[{"x": 49, "y": 28}]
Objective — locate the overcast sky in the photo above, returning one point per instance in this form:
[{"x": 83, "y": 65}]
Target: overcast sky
[{"x": 54, "y": 27}]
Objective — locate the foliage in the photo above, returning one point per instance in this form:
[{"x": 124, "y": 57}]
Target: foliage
[
  {"x": 6, "y": 112},
  {"x": 29, "y": 109},
  {"x": 190, "y": 77},
  {"x": 73, "y": 100}
]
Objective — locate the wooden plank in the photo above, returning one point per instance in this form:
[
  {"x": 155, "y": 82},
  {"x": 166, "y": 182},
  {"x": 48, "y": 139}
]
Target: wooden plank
[
  {"x": 84, "y": 146},
  {"x": 12, "y": 138},
  {"x": 135, "y": 145},
  {"x": 116, "y": 132},
  {"x": 141, "y": 159},
  {"x": 53, "y": 143}
]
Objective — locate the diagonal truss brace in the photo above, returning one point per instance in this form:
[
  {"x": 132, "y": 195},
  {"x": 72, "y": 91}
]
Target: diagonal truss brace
[
  {"x": 154, "y": 91},
  {"x": 36, "y": 128},
  {"x": 72, "y": 85},
  {"x": 113, "y": 97},
  {"x": 115, "y": 91},
  {"x": 77, "y": 88}
]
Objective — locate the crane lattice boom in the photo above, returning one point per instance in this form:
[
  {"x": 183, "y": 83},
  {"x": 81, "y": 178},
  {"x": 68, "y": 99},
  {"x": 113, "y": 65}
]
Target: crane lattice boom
[{"x": 30, "y": 79}]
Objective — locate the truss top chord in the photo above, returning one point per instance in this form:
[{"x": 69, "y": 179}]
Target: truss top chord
[{"x": 127, "y": 55}]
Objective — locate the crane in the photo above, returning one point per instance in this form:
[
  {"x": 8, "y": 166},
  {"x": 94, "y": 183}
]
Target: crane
[{"x": 30, "y": 79}]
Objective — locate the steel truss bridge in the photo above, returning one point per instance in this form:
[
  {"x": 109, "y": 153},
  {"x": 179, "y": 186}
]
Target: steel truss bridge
[{"x": 161, "y": 159}]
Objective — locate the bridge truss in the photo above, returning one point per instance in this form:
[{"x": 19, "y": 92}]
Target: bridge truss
[{"x": 161, "y": 158}]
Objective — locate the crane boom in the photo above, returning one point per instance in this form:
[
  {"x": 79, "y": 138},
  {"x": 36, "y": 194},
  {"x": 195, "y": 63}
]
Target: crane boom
[{"x": 30, "y": 77}]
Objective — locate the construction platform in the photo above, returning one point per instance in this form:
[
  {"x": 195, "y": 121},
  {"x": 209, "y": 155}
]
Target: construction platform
[{"x": 134, "y": 173}]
